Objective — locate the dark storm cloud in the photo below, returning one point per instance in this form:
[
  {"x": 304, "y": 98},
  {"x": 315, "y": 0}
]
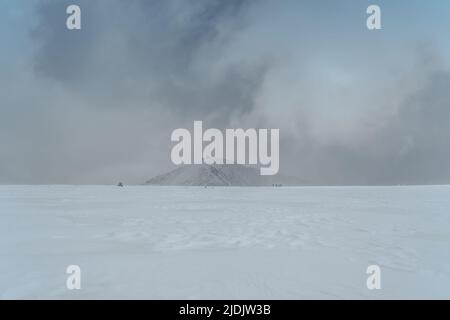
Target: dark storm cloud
[
  {"x": 148, "y": 50},
  {"x": 100, "y": 103}
]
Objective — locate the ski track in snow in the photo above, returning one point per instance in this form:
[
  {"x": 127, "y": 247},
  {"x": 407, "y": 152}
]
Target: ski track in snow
[{"x": 224, "y": 243}]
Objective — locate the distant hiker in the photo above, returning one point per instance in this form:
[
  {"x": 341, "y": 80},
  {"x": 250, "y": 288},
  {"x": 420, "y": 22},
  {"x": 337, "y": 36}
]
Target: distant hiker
[{"x": 120, "y": 184}]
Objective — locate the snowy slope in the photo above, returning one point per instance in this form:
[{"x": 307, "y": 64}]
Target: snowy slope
[
  {"x": 219, "y": 175},
  {"x": 190, "y": 242}
]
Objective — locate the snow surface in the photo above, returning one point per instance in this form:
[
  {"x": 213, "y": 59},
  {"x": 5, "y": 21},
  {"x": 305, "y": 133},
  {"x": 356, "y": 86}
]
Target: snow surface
[{"x": 228, "y": 243}]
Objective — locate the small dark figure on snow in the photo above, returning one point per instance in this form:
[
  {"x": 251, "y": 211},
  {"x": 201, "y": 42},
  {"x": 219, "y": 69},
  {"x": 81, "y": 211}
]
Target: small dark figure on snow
[{"x": 120, "y": 184}]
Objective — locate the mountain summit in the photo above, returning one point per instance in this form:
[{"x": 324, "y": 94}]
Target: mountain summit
[{"x": 219, "y": 175}]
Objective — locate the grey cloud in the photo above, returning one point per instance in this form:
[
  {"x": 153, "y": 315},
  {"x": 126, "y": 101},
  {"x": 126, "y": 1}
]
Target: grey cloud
[
  {"x": 99, "y": 105},
  {"x": 411, "y": 146},
  {"x": 421, "y": 134},
  {"x": 148, "y": 51}
]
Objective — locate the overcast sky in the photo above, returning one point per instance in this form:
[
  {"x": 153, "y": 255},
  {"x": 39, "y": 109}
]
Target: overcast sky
[{"x": 98, "y": 105}]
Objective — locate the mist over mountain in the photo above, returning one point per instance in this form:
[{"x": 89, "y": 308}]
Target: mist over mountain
[{"x": 353, "y": 106}]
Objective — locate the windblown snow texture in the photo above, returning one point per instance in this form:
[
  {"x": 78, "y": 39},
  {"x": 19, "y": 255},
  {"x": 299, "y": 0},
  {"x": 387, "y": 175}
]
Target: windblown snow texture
[{"x": 224, "y": 243}]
